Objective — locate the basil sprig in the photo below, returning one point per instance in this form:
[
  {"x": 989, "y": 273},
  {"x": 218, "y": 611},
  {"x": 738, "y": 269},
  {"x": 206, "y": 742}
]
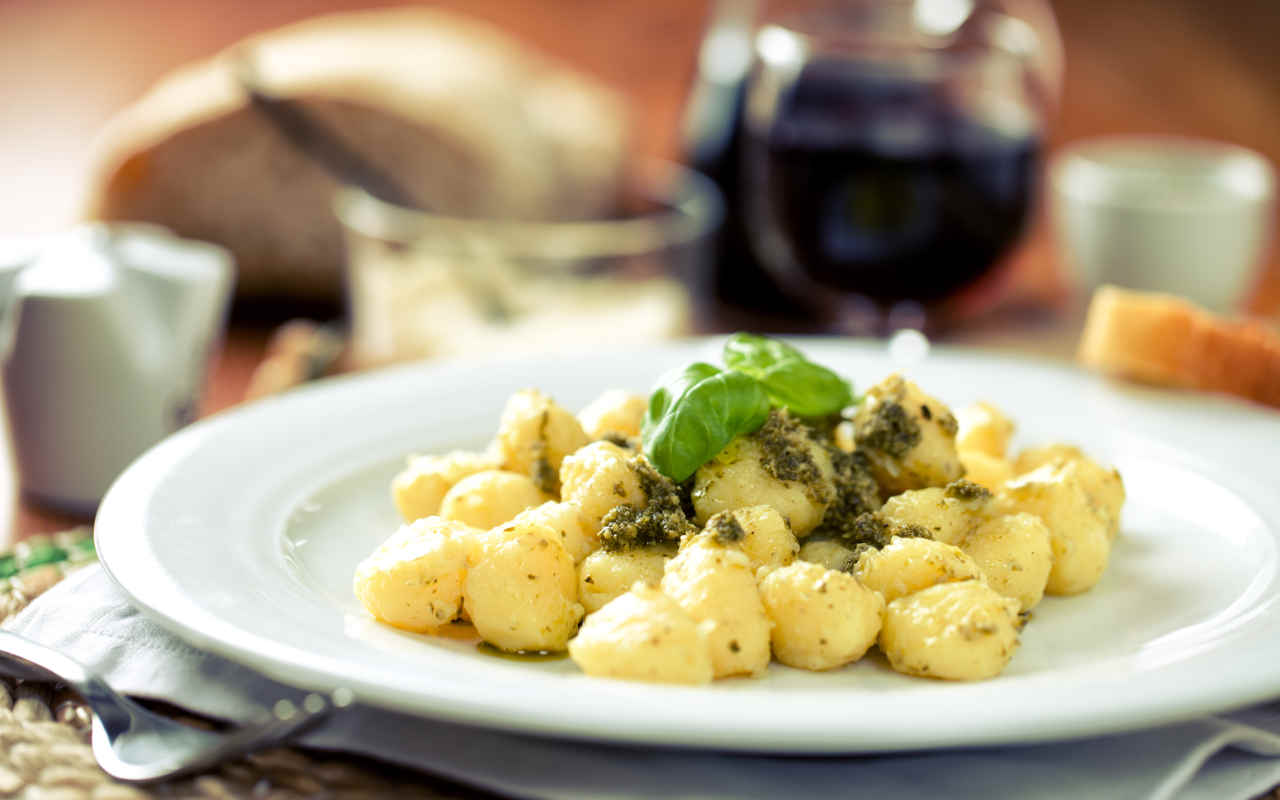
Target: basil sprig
[
  {"x": 792, "y": 381},
  {"x": 696, "y": 411}
]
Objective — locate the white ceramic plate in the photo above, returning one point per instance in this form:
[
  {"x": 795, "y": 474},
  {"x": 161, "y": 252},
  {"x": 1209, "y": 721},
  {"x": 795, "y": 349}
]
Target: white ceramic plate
[{"x": 241, "y": 534}]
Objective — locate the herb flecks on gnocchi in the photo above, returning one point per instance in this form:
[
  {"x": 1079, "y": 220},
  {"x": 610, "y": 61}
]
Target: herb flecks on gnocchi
[
  {"x": 414, "y": 579},
  {"x": 822, "y": 618},
  {"x": 955, "y": 631},
  {"x": 780, "y": 465},
  {"x": 644, "y": 636},
  {"x": 522, "y": 592},
  {"x": 713, "y": 582},
  {"x": 807, "y": 526}
]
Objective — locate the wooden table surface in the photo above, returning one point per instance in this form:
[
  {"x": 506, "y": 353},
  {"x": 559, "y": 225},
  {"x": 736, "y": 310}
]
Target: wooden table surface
[{"x": 1185, "y": 67}]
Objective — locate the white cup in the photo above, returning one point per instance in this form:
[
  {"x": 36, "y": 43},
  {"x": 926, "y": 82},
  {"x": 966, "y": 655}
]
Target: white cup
[{"x": 1182, "y": 216}]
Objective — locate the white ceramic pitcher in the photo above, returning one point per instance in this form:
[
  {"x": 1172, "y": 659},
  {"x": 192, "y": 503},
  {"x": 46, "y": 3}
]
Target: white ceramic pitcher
[{"x": 105, "y": 334}]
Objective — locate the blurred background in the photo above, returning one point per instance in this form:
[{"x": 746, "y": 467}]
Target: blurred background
[
  {"x": 1191, "y": 67},
  {"x": 884, "y": 167}
]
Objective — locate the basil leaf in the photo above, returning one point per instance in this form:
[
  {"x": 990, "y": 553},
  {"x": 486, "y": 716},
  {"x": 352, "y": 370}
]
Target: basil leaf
[
  {"x": 692, "y": 429},
  {"x": 807, "y": 389},
  {"x": 749, "y": 352},
  {"x": 793, "y": 381},
  {"x": 671, "y": 387}
]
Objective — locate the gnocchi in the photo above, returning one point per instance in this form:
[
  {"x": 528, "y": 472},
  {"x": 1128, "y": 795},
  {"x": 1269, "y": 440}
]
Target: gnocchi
[
  {"x": 777, "y": 466},
  {"x": 643, "y": 635},
  {"x": 489, "y": 498},
  {"x": 908, "y": 436},
  {"x": 894, "y": 524},
  {"x": 828, "y": 553},
  {"x": 907, "y": 565},
  {"x": 822, "y": 618},
  {"x": 419, "y": 489},
  {"x": 522, "y": 595},
  {"x": 1014, "y": 554},
  {"x": 414, "y": 579},
  {"x": 946, "y": 514},
  {"x": 954, "y": 631},
  {"x": 1104, "y": 487},
  {"x": 1078, "y": 528},
  {"x": 597, "y": 479},
  {"x": 566, "y": 520},
  {"x": 604, "y": 575},
  {"x": 714, "y": 583},
  {"x": 760, "y": 531},
  {"x": 983, "y": 428},
  {"x": 614, "y": 413},
  {"x": 989, "y": 472},
  {"x": 535, "y": 434}
]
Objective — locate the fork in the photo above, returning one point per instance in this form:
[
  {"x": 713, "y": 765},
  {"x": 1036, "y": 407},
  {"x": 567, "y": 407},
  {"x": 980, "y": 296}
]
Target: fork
[{"x": 133, "y": 744}]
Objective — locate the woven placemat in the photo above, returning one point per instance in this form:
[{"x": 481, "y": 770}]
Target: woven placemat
[{"x": 44, "y": 728}]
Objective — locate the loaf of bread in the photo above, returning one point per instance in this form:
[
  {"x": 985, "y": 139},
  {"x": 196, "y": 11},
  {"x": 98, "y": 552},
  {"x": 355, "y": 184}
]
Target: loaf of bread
[
  {"x": 467, "y": 119},
  {"x": 1168, "y": 341}
]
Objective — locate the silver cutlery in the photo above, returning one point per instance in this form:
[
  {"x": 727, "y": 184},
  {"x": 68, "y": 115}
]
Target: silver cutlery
[{"x": 131, "y": 743}]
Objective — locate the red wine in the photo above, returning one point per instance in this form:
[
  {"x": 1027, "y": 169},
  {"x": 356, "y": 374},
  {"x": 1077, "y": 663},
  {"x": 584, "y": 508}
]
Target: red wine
[{"x": 879, "y": 186}]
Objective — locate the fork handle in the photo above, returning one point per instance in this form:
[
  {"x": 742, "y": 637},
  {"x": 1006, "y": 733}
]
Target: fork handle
[{"x": 61, "y": 667}]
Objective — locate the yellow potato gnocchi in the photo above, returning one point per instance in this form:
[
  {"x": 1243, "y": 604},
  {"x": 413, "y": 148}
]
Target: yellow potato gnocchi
[
  {"x": 522, "y": 595},
  {"x": 983, "y": 428},
  {"x": 566, "y": 520},
  {"x": 597, "y": 479},
  {"x": 908, "y": 436},
  {"x": 822, "y": 619},
  {"x": 535, "y": 434},
  {"x": 955, "y": 631},
  {"x": 946, "y": 514},
  {"x": 1014, "y": 553},
  {"x": 419, "y": 489},
  {"x": 989, "y": 472},
  {"x": 906, "y": 565},
  {"x": 759, "y": 531},
  {"x": 749, "y": 472},
  {"x": 1103, "y": 486},
  {"x": 614, "y": 413},
  {"x": 604, "y": 575},
  {"x": 715, "y": 583},
  {"x": 414, "y": 579},
  {"x": 875, "y": 520},
  {"x": 1078, "y": 529},
  {"x": 828, "y": 553},
  {"x": 643, "y": 635},
  {"x": 490, "y": 498}
]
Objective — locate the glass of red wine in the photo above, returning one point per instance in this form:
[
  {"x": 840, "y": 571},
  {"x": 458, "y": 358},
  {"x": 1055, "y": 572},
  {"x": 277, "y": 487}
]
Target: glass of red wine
[{"x": 891, "y": 152}]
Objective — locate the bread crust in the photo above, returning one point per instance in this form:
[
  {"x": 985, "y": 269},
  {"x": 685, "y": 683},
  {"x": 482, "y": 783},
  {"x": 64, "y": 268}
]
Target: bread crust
[{"x": 1167, "y": 341}]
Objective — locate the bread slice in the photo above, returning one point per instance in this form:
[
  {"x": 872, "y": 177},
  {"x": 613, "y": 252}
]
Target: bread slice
[
  {"x": 1168, "y": 341},
  {"x": 467, "y": 119}
]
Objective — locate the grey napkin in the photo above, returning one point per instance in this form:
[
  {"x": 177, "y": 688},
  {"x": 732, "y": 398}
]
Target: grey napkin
[{"x": 1216, "y": 758}]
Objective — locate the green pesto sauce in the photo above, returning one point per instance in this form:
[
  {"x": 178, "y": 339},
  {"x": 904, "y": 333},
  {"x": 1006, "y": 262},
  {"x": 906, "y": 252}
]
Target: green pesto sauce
[
  {"x": 856, "y": 494},
  {"x": 888, "y": 429},
  {"x": 726, "y": 528},
  {"x": 784, "y": 446},
  {"x": 522, "y": 655},
  {"x": 661, "y": 520},
  {"x": 967, "y": 490}
]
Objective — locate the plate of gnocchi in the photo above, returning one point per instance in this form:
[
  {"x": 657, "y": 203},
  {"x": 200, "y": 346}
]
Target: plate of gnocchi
[{"x": 735, "y": 543}]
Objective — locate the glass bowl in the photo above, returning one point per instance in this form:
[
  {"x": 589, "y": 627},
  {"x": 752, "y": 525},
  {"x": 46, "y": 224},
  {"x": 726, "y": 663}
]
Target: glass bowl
[{"x": 424, "y": 285}]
